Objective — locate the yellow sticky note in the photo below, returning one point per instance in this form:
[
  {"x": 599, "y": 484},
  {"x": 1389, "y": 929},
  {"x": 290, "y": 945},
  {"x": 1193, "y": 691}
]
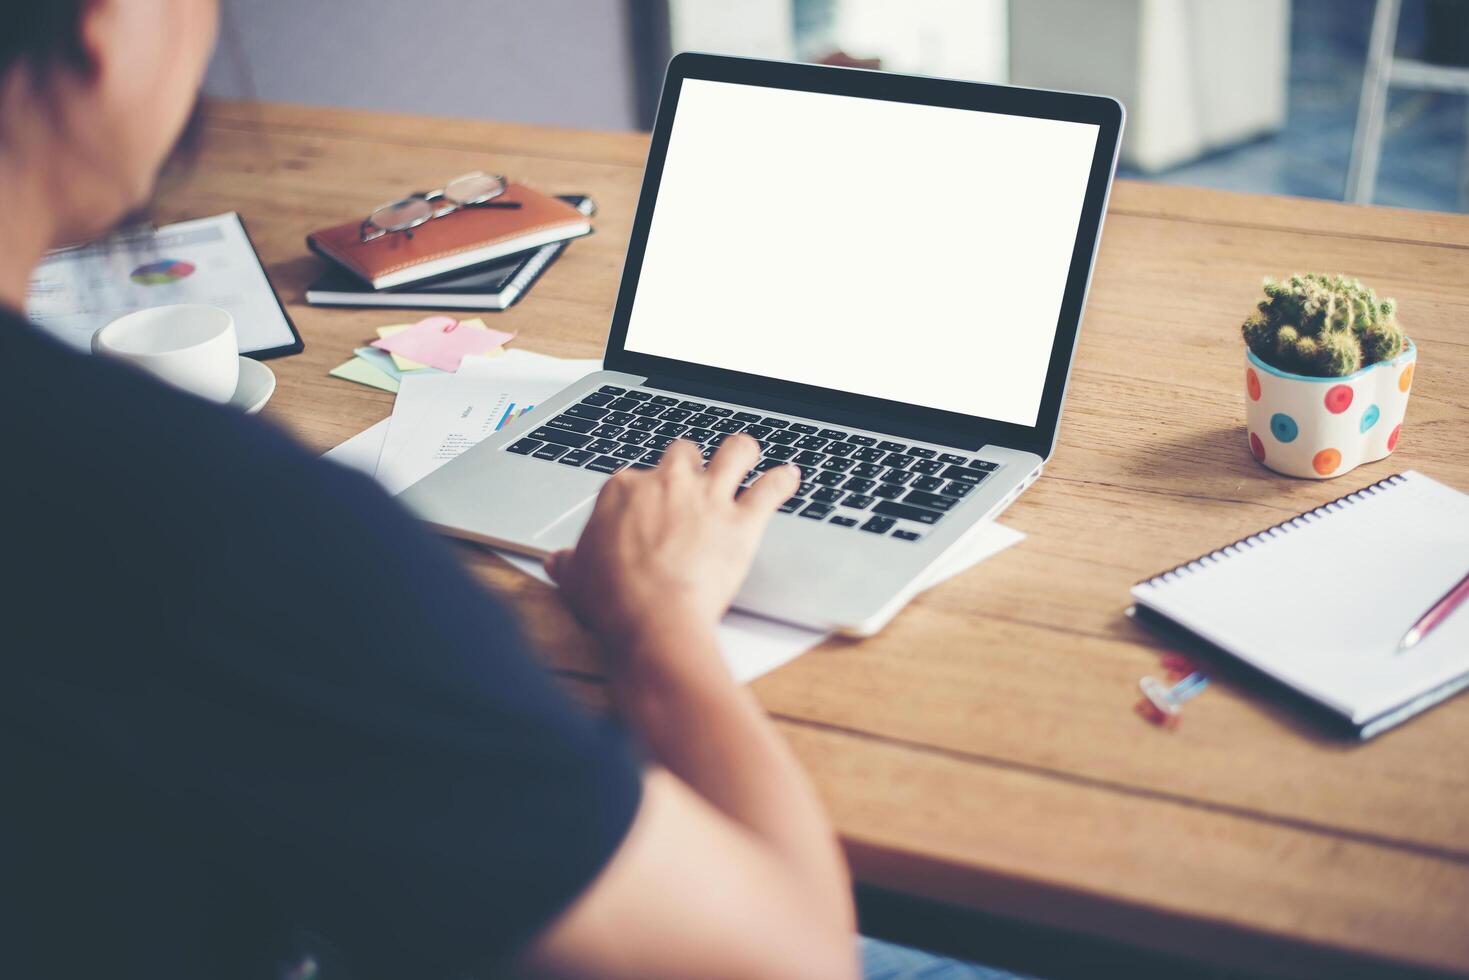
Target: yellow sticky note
[{"x": 364, "y": 373}]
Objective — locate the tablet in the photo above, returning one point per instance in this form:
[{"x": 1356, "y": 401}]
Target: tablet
[{"x": 75, "y": 292}]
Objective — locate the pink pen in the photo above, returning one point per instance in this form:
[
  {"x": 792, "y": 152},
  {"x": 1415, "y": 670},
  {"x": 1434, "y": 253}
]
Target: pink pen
[{"x": 1437, "y": 613}]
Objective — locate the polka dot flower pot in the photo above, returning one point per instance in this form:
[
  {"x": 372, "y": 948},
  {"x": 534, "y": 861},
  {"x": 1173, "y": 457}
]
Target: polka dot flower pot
[{"x": 1323, "y": 427}]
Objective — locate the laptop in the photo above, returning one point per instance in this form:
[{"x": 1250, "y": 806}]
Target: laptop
[{"x": 879, "y": 277}]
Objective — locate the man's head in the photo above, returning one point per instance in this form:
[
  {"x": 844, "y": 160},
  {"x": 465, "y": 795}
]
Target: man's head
[{"x": 93, "y": 97}]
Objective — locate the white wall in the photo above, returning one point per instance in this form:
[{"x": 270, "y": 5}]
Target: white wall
[
  {"x": 1195, "y": 75},
  {"x": 561, "y": 62}
]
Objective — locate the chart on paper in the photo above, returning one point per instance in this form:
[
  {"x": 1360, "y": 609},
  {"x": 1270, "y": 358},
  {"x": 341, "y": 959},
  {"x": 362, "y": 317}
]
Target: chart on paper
[
  {"x": 512, "y": 412},
  {"x": 479, "y": 423}
]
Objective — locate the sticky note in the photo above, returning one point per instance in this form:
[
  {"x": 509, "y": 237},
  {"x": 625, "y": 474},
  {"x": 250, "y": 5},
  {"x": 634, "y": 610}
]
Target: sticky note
[
  {"x": 479, "y": 324},
  {"x": 442, "y": 342},
  {"x": 403, "y": 363},
  {"x": 406, "y": 365},
  {"x": 364, "y": 373},
  {"x": 384, "y": 362}
]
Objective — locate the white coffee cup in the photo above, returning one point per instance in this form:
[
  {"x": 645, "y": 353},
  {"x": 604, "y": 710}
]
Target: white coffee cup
[{"x": 189, "y": 345}]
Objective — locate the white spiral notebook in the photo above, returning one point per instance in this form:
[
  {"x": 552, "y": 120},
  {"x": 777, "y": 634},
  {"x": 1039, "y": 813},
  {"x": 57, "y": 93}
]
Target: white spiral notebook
[{"x": 1321, "y": 601}]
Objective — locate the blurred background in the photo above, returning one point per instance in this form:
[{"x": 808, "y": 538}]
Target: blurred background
[{"x": 1358, "y": 100}]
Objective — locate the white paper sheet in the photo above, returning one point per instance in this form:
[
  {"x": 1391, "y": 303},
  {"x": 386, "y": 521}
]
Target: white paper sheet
[
  {"x": 438, "y": 416},
  {"x": 362, "y": 451}
]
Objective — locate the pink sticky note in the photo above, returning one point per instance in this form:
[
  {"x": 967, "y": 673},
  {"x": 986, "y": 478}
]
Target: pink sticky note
[{"x": 441, "y": 342}]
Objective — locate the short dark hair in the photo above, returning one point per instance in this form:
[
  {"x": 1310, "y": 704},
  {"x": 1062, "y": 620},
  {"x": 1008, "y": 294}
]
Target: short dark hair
[{"x": 42, "y": 34}]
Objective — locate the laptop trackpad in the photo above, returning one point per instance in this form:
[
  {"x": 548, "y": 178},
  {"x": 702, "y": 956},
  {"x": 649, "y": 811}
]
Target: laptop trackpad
[{"x": 564, "y": 531}]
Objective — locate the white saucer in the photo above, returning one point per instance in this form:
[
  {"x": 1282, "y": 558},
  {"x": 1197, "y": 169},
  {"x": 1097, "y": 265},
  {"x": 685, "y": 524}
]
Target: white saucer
[{"x": 256, "y": 385}]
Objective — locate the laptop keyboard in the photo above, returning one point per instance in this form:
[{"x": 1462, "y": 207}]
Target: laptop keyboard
[{"x": 848, "y": 480}]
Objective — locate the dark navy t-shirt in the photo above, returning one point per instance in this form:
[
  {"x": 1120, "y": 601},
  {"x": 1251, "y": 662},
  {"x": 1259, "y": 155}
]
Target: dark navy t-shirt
[{"x": 250, "y": 708}]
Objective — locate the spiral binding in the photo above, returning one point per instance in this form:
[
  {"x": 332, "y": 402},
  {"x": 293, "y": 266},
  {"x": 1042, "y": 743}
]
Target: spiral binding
[{"x": 1274, "y": 531}]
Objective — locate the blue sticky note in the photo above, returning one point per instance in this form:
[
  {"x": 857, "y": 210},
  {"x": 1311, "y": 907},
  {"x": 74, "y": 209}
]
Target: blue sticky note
[{"x": 383, "y": 361}]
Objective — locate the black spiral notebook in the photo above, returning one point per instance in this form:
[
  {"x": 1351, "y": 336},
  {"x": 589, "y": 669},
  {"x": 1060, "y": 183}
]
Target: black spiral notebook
[
  {"x": 495, "y": 285},
  {"x": 1320, "y": 602}
]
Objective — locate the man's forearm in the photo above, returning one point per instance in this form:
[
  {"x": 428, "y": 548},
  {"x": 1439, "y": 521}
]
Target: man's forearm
[{"x": 714, "y": 736}]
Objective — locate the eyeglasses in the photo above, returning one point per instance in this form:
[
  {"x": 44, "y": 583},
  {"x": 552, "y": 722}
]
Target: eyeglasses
[{"x": 476, "y": 190}]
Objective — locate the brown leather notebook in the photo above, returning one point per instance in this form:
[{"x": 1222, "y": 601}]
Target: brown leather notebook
[{"x": 465, "y": 238}]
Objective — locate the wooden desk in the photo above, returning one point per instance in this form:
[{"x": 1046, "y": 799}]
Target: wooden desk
[{"x": 982, "y": 751}]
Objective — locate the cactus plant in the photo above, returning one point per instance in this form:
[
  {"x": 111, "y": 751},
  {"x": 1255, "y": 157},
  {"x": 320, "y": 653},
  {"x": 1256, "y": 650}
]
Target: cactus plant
[{"x": 1322, "y": 326}]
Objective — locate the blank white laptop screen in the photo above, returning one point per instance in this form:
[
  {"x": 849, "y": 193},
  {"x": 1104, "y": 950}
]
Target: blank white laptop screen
[{"x": 907, "y": 252}]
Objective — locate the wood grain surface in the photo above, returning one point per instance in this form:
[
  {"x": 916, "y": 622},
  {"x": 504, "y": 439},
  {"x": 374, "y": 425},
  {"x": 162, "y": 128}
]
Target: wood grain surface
[{"x": 983, "y": 750}]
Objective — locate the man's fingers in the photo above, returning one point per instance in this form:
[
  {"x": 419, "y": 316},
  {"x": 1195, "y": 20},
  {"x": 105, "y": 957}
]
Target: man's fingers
[
  {"x": 682, "y": 454},
  {"x": 735, "y": 457},
  {"x": 773, "y": 488}
]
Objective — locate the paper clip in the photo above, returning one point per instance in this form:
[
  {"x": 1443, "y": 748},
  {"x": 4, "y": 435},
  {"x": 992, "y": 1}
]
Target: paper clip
[{"x": 1161, "y": 704}]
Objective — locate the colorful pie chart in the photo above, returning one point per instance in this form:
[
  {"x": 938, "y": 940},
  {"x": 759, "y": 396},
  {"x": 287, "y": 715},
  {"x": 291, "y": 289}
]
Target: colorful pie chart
[{"x": 162, "y": 273}]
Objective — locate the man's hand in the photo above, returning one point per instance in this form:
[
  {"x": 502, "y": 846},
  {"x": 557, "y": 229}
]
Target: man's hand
[{"x": 669, "y": 547}]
